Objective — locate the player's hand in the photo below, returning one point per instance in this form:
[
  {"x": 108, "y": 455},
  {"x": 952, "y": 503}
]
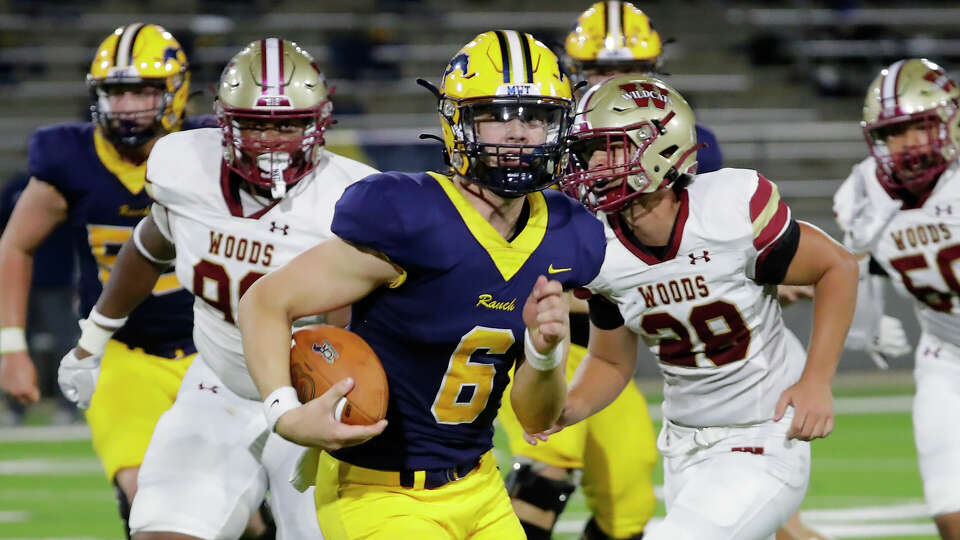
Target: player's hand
[
  {"x": 18, "y": 377},
  {"x": 314, "y": 423},
  {"x": 889, "y": 341},
  {"x": 77, "y": 376},
  {"x": 788, "y": 294},
  {"x": 546, "y": 314},
  {"x": 812, "y": 403},
  {"x": 568, "y": 416}
]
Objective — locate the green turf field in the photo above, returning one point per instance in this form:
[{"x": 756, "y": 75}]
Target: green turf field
[{"x": 865, "y": 482}]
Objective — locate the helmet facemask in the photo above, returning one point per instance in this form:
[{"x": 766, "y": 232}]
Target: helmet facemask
[
  {"x": 279, "y": 161},
  {"x": 913, "y": 167},
  {"x": 622, "y": 176},
  {"x": 126, "y": 127},
  {"x": 527, "y": 158}
]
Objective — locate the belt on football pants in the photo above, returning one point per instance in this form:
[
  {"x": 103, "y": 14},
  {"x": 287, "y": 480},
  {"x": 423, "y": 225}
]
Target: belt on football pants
[
  {"x": 434, "y": 478},
  {"x": 423, "y": 479}
]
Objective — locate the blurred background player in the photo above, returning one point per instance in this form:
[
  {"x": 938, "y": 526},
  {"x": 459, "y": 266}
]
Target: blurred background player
[
  {"x": 51, "y": 327},
  {"x": 484, "y": 239},
  {"x": 899, "y": 208},
  {"x": 231, "y": 204},
  {"x": 92, "y": 175},
  {"x": 700, "y": 296}
]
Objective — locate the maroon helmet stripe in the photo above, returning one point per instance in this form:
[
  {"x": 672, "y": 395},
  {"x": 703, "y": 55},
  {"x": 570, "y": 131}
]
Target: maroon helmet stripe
[
  {"x": 279, "y": 74},
  {"x": 264, "y": 78}
]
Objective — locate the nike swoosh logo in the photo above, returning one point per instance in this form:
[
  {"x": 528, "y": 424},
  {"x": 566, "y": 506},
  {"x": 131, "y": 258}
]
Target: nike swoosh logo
[
  {"x": 552, "y": 270},
  {"x": 275, "y": 403}
]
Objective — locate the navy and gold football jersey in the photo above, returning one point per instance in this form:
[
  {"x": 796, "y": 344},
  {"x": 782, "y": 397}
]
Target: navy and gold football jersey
[
  {"x": 106, "y": 199},
  {"x": 449, "y": 331}
]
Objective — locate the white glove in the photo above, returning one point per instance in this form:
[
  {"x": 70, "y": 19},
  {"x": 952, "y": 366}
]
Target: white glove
[
  {"x": 78, "y": 377},
  {"x": 889, "y": 341}
]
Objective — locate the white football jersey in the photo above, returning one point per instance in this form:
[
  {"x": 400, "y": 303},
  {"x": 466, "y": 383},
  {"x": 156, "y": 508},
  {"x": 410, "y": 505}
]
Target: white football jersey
[
  {"x": 919, "y": 248},
  {"x": 220, "y": 253},
  {"x": 718, "y": 334}
]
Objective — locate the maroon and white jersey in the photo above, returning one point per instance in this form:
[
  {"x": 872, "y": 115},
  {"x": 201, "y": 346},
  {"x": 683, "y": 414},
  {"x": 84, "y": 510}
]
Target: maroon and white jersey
[
  {"x": 706, "y": 304},
  {"x": 226, "y": 238},
  {"x": 917, "y": 246}
]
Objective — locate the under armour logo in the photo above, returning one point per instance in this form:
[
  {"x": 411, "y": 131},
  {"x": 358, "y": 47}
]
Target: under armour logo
[
  {"x": 948, "y": 210},
  {"x": 210, "y": 388},
  {"x": 927, "y": 351},
  {"x": 705, "y": 257},
  {"x": 282, "y": 228}
]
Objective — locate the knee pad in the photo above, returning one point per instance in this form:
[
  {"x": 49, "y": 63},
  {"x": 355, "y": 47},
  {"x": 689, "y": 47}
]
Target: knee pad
[
  {"x": 523, "y": 483},
  {"x": 593, "y": 532},
  {"x": 123, "y": 505}
]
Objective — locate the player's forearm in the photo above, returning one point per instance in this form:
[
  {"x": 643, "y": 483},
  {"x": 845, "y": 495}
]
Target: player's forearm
[
  {"x": 597, "y": 384},
  {"x": 538, "y": 396},
  {"x": 16, "y": 270},
  {"x": 264, "y": 323},
  {"x": 833, "y": 308},
  {"x": 132, "y": 280}
]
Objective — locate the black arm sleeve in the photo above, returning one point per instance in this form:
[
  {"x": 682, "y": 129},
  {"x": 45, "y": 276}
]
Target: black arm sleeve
[
  {"x": 875, "y": 269},
  {"x": 773, "y": 263},
  {"x": 604, "y": 313}
]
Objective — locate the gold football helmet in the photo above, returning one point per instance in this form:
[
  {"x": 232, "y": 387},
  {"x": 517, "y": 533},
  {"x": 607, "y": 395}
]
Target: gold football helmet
[
  {"x": 502, "y": 76},
  {"x": 640, "y": 118},
  {"x": 910, "y": 92},
  {"x": 614, "y": 36},
  {"x": 273, "y": 85},
  {"x": 134, "y": 56}
]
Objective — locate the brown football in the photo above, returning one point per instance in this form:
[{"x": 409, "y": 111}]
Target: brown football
[{"x": 321, "y": 355}]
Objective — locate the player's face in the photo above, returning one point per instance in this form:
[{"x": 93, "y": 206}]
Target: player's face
[
  {"x": 910, "y": 146},
  {"x": 907, "y": 135},
  {"x": 133, "y": 103},
  {"x": 264, "y": 134},
  {"x": 511, "y": 126}
]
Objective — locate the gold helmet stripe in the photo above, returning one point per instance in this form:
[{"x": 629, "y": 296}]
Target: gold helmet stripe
[
  {"x": 515, "y": 57},
  {"x": 271, "y": 52},
  {"x": 124, "y": 52},
  {"x": 888, "y": 90}
]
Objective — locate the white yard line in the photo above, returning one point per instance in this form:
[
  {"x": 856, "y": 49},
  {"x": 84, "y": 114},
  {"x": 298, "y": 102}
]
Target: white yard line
[
  {"x": 869, "y": 513},
  {"x": 44, "y": 433},
  {"x": 59, "y": 466},
  {"x": 14, "y": 516}
]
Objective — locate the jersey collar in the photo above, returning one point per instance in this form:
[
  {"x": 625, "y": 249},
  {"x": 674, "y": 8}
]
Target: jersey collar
[
  {"x": 133, "y": 177},
  {"x": 643, "y": 252},
  {"x": 507, "y": 256}
]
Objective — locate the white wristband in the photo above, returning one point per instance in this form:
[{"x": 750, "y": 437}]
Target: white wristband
[
  {"x": 12, "y": 339},
  {"x": 279, "y": 402},
  {"x": 105, "y": 321},
  {"x": 93, "y": 337},
  {"x": 540, "y": 361}
]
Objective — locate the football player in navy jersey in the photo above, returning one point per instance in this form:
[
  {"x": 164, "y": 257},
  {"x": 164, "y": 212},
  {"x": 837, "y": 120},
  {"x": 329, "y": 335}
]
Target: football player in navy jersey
[
  {"x": 92, "y": 176},
  {"x": 448, "y": 278}
]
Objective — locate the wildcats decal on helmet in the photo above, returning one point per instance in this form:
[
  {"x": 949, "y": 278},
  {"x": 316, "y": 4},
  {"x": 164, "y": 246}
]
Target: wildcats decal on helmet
[
  {"x": 939, "y": 78},
  {"x": 643, "y": 94}
]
